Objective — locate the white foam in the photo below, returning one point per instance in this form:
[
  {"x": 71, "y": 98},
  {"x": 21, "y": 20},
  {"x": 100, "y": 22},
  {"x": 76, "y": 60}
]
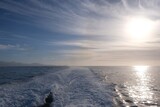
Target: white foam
[{"x": 75, "y": 86}]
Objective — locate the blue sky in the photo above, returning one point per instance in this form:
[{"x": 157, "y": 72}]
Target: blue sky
[{"x": 77, "y": 32}]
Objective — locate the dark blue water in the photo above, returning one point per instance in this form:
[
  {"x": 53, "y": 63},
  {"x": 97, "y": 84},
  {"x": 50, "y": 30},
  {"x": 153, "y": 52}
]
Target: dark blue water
[
  {"x": 20, "y": 74},
  {"x": 137, "y": 86}
]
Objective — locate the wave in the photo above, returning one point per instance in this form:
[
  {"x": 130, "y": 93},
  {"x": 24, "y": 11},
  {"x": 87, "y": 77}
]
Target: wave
[{"x": 74, "y": 86}]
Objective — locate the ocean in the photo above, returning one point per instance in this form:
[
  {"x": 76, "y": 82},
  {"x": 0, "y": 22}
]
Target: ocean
[{"x": 58, "y": 86}]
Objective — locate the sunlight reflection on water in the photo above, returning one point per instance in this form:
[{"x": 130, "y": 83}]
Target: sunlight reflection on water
[{"x": 141, "y": 92}]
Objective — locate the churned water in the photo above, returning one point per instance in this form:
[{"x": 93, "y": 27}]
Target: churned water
[{"x": 80, "y": 86}]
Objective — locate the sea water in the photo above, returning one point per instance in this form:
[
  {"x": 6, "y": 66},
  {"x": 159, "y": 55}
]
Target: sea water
[{"x": 80, "y": 86}]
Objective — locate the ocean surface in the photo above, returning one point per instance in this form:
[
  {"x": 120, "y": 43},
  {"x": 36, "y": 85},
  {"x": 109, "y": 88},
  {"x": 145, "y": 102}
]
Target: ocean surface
[{"x": 137, "y": 86}]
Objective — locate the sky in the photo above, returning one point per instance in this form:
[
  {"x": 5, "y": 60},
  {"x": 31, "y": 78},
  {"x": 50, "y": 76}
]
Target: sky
[{"x": 80, "y": 32}]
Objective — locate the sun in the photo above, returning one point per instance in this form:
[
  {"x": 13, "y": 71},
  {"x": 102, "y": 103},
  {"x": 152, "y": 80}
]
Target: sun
[{"x": 139, "y": 29}]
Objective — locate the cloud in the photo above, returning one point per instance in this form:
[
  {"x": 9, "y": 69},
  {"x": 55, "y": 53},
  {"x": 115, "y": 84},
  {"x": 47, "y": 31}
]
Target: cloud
[
  {"x": 106, "y": 53},
  {"x": 107, "y": 57},
  {"x": 102, "y": 19},
  {"x": 11, "y": 47},
  {"x": 84, "y": 17},
  {"x": 102, "y": 45},
  {"x": 2, "y": 47}
]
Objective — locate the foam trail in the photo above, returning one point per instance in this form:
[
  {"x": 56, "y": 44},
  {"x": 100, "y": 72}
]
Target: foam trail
[{"x": 74, "y": 86}]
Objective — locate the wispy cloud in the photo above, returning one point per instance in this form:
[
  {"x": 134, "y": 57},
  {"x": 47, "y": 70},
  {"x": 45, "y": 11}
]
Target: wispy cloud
[
  {"x": 102, "y": 19},
  {"x": 102, "y": 45},
  {"x": 11, "y": 47},
  {"x": 82, "y": 17},
  {"x": 2, "y": 47}
]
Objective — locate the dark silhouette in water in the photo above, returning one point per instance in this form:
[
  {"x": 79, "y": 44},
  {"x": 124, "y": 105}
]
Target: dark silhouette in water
[{"x": 48, "y": 100}]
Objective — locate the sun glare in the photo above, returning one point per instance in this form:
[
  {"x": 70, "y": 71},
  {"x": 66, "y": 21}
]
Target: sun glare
[
  {"x": 141, "y": 68},
  {"x": 139, "y": 29}
]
